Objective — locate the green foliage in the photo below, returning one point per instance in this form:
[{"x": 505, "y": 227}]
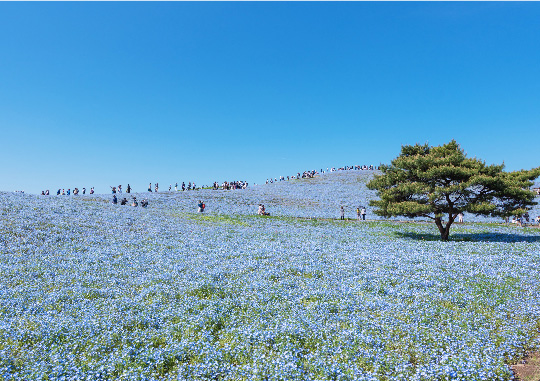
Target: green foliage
[{"x": 435, "y": 182}]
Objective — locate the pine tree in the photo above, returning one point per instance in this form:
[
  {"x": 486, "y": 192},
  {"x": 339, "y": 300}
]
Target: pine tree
[{"x": 441, "y": 181}]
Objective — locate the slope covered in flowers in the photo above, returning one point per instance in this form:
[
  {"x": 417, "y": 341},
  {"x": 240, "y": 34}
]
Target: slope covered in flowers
[{"x": 91, "y": 290}]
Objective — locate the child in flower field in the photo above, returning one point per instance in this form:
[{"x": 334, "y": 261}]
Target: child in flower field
[
  {"x": 358, "y": 213},
  {"x": 342, "y": 212},
  {"x": 201, "y": 206}
]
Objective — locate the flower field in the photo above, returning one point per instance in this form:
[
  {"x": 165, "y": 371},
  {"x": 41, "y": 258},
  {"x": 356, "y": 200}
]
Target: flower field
[{"x": 95, "y": 291}]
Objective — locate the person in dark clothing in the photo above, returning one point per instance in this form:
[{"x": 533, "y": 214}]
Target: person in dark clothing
[
  {"x": 114, "y": 199},
  {"x": 128, "y": 190},
  {"x": 124, "y": 201}
]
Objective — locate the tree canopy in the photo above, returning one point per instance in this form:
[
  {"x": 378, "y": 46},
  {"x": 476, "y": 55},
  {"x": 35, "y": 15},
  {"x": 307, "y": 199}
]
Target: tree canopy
[{"x": 441, "y": 181}]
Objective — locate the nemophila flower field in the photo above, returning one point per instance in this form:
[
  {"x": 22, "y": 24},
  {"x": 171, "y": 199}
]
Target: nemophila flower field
[{"x": 91, "y": 290}]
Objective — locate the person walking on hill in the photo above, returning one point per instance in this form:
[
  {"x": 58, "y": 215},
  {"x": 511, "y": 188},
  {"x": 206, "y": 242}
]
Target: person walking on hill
[
  {"x": 342, "y": 212},
  {"x": 150, "y": 187},
  {"x": 363, "y": 213},
  {"x": 358, "y": 213},
  {"x": 128, "y": 189}
]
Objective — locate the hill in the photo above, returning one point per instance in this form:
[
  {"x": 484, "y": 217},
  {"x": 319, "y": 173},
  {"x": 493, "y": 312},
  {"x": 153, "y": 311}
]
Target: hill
[{"x": 91, "y": 290}]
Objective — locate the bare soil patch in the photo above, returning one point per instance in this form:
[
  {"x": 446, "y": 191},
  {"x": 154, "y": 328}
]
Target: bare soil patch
[{"x": 528, "y": 369}]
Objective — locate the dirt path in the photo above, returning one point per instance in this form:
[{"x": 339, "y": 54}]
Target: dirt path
[
  {"x": 408, "y": 222},
  {"x": 528, "y": 369}
]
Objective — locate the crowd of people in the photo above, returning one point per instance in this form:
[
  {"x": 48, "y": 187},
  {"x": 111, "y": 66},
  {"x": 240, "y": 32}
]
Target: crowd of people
[
  {"x": 312, "y": 173},
  {"x": 522, "y": 220},
  {"x": 228, "y": 185},
  {"x": 236, "y": 184},
  {"x": 63, "y": 192},
  {"x": 360, "y": 213},
  {"x": 134, "y": 203}
]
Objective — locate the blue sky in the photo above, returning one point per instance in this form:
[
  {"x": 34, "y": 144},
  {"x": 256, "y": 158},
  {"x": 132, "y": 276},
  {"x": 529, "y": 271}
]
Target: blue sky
[{"x": 99, "y": 94}]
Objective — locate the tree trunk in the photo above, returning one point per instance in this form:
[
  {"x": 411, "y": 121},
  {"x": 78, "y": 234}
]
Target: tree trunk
[{"x": 444, "y": 230}]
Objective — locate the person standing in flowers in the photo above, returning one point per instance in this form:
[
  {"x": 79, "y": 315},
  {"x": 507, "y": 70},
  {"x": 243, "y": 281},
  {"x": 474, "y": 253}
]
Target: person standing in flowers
[
  {"x": 363, "y": 212},
  {"x": 201, "y": 206},
  {"x": 150, "y": 187},
  {"x": 128, "y": 189},
  {"x": 342, "y": 212},
  {"x": 460, "y": 217},
  {"x": 358, "y": 213}
]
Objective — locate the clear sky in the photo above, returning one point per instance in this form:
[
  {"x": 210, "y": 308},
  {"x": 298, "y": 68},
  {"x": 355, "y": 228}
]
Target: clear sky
[{"x": 99, "y": 94}]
